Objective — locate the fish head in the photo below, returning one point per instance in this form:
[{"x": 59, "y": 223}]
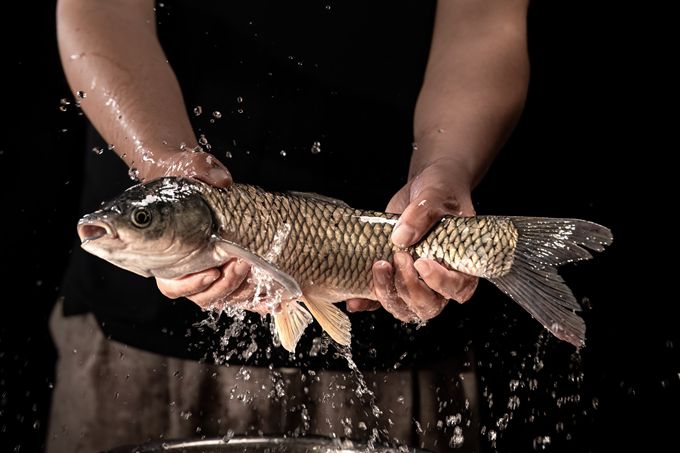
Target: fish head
[{"x": 153, "y": 229}]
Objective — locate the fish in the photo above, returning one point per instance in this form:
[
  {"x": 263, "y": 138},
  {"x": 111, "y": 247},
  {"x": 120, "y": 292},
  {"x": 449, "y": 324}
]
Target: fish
[{"x": 318, "y": 251}]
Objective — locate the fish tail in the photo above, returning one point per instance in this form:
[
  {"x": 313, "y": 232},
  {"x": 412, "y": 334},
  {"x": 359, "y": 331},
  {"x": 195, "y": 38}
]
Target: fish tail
[{"x": 533, "y": 281}]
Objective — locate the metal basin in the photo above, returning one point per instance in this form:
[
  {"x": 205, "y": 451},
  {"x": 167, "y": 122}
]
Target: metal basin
[{"x": 260, "y": 444}]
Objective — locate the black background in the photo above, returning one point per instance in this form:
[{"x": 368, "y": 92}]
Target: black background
[{"x": 583, "y": 148}]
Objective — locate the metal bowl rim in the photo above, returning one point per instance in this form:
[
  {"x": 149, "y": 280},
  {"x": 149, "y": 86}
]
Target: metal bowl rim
[{"x": 318, "y": 441}]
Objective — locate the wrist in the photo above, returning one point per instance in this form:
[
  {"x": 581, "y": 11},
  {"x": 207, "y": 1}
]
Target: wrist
[{"x": 162, "y": 159}]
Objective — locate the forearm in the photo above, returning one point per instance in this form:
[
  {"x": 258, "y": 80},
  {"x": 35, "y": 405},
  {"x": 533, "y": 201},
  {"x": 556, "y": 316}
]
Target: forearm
[
  {"x": 474, "y": 88},
  {"x": 110, "y": 52}
]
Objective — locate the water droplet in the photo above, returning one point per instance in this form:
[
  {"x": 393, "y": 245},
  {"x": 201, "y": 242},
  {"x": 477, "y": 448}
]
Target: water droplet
[
  {"x": 541, "y": 443},
  {"x": 81, "y": 94},
  {"x": 596, "y": 403},
  {"x": 217, "y": 114},
  {"x": 182, "y": 146},
  {"x": 98, "y": 151},
  {"x": 202, "y": 140},
  {"x": 245, "y": 373},
  {"x": 133, "y": 173},
  {"x": 239, "y": 110},
  {"x": 493, "y": 435},
  {"x": 283, "y": 153},
  {"x": 186, "y": 415},
  {"x": 63, "y": 108},
  {"x": 414, "y": 146},
  {"x": 111, "y": 147},
  {"x": 198, "y": 110},
  {"x": 362, "y": 426},
  {"x": 316, "y": 147},
  {"x": 116, "y": 395},
  {"x": 513, "y": 402},
  {"x": 227, "y": 437},
  {"x": 228, "y": 155},
  {"x": 452, "y": 420},
  {"x": 239, "y": 99},
  {"x": 457, "y": 439},
  {"x": 514, "y": 385},
  {"x": 77, "y": 56},
  {"x": 328, "y": 7}
]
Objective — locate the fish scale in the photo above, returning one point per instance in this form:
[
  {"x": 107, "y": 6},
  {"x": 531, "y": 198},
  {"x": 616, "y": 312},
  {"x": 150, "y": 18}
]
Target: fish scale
[{"x": 332, "y": 245}]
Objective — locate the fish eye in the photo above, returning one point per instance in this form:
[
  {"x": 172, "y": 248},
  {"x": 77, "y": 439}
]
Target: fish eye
[{"x": 141, "y": 218}]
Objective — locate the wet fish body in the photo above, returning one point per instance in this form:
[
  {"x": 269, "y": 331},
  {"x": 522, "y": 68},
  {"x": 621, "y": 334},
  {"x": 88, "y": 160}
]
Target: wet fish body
[{"x": 320, "y": 251}]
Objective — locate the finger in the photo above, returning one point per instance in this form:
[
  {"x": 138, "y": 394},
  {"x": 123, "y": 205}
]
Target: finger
[
  {"x": 426, "y": 209},
  {"x": 244, "y": 293},
  {"x": 417, "y": 296},
  {"x": 187, "y": 285},
  {"x": 355, "y": 305},
  {"x": 199, "y": 165},
  {"x": 210, "y": 170},
  {"x": 450, "y": 284},
  {"x": 385, "y": 292},
  {"x": 234, "y": 274}
]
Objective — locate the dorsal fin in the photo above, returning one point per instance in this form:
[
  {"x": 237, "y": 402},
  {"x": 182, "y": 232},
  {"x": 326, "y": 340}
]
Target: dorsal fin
[{"x": 316, "y": 196}]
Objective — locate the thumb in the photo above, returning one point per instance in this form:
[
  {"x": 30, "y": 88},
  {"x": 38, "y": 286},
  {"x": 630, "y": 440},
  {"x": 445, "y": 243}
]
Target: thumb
[
  {"x": 421, "y": 214},
  {"x": 210, "y": 170}
]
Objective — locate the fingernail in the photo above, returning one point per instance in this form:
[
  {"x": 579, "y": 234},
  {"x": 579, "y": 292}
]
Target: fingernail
[
  {"x": 399, "y": 260},
  {"x": 241, "y": 268},
  {"x": 209, "y": 278},
  {"x": 403, "y": 235},
  {"x": 423, "y": 268},
  {"x": 380, "y": 277},
  {"x": 219, "y": 176}
]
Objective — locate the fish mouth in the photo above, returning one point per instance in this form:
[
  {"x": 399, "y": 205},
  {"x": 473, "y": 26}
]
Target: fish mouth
[{"x": 91, "y": 229}]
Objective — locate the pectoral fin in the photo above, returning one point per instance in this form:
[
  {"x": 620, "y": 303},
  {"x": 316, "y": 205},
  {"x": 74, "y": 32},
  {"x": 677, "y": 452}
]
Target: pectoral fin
[
  {"x": 291, "y": 323},
  {"x": 286, "y": 281},
  {"x": 331, "y": 318}
]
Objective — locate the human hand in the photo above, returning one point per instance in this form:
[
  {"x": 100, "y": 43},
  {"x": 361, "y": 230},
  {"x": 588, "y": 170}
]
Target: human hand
[
  {"x": 428, "y": 196},
  {"x": 212, "y": 287},
  {"x": 187, "y": 163}
]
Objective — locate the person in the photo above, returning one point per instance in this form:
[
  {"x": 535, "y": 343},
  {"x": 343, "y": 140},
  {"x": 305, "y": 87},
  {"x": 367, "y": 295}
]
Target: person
[{"x": 358, "y": 101}]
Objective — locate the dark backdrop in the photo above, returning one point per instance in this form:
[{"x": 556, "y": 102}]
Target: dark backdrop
[{"x": 581, "y": 150}]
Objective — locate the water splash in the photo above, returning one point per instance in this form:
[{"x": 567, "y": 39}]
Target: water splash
[{"x": 133, "y": 173}]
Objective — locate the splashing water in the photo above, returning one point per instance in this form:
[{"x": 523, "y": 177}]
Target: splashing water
[
  {"x": 316, "y": 147},
  {"x": 133, "y": 173}
]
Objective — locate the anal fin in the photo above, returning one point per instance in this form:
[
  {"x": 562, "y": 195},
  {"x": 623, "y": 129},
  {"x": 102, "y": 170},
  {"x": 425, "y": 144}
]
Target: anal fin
[
  {"x": 291, "y": 323},
  {"x": 332, "y": 320}
]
